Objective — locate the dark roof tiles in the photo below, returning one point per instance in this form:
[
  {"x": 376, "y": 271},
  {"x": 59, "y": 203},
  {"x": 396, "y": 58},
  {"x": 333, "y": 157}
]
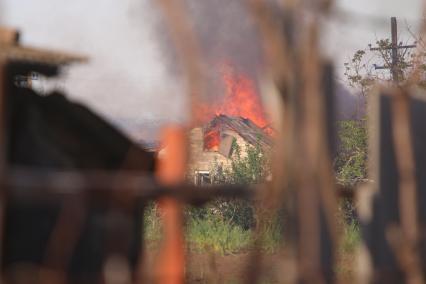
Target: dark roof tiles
[{"x": 244, "y": 127}]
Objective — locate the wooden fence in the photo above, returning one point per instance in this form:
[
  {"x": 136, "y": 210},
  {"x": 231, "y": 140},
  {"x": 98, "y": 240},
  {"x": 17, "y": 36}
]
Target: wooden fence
[{"x": 391, "y": 206}]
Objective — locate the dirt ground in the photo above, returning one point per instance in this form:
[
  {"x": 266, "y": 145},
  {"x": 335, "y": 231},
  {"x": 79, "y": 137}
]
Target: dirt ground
[
  {"x": 237, "y": 268},
  {"x": 211, "y": 268}
]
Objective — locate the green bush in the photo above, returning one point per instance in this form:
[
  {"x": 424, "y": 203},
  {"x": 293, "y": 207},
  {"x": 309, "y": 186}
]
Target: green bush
[
  {"x": 252, "y": 167},
  {"x": 213, "y": 233},
  {"x": 208, "y": 230},
  {"x": 234, "y": 211},
  {"x": 351, "y": 160}
]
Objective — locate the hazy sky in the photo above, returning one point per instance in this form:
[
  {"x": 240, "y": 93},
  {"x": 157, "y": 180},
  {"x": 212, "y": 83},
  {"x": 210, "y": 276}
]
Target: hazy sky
[
  {"x": 128, "y": 80},
  {"x": 371, "y": 20}
]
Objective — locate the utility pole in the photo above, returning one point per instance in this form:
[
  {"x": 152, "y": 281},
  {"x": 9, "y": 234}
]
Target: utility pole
[{"x": 394, "y": 64}]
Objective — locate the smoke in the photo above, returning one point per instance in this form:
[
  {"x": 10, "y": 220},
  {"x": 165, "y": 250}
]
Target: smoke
[
  {"x": 133, "y": 77},
  {"x": 133, "y": 74},
  {"x": 226, "y": 34},
  {"x": 226, "y": 31},
  {"x": 127, "y": 78}
]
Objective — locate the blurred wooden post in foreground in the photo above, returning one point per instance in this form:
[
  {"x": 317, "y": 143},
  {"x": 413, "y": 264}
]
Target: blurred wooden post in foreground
[
  {"x": 396, "y": 212},
  {"x": 7, "y": 37},
  {"x": 307, "y": 135},
  {"x": 171, "y": 170},
  {"x": 2, "y": 157}
]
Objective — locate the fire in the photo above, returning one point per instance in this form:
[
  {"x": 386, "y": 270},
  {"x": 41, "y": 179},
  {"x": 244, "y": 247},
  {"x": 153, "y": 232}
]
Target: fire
[
  {"x": 240, "y": 99},
  {"x": 212, "y": 140}
]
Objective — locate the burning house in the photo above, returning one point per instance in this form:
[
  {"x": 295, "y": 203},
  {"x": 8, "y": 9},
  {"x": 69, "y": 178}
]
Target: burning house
[
  {"x": 214, "y": 143},
  {"x": 237, "y": 119}
]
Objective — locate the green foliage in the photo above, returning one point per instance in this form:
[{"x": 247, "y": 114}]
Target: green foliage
[
  {"x": 361, "y": 73},
  {"x": 351, "y": 237},
  {"x": 213, "y": 233},
  {"x": 242, "y": 214},
  {"x": 153, "y": 228},
  {"x": 347, "y": 252},
  {"x": 404, "y": 56},
  {"x": 249, "y": 169},
  {"x": 233, "y": 211},
  {"x": 226, "y": 225},
  {"x": 252, "y": 167},
  {"x": 351, "y": 160},
  {"x": 237, "y": 212},
  {"x": 208, "y": 229}
]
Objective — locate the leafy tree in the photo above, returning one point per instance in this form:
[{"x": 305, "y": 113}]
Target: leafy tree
[
  {"x": 361, "y": 72},
  {"x": 251, "y": 167}
]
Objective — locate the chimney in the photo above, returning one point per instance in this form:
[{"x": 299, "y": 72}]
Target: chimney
[{"x": 9, "y": 36}]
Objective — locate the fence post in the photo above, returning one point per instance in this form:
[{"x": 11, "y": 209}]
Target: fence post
[
  {"x": 171, "y": 170},
  {"x": 3, "y": 84}
]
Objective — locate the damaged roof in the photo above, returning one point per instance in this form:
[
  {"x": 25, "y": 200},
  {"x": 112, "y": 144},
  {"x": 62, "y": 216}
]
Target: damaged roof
[
  {"x": 244, "y": 127},
  {"x": 34, "y": 55},
  {"x": 11, "y": 50}
]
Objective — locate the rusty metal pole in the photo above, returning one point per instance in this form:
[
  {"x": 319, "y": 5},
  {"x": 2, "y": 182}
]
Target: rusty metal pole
[
  {"x": 172, "y": 166},
  {"x": 171, "y": 170}
]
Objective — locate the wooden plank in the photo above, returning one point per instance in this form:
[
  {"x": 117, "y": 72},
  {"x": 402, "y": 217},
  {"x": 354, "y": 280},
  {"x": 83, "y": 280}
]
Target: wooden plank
[
  {"x": 3, "y": 78},
  {"x": 384, "y": 234}
]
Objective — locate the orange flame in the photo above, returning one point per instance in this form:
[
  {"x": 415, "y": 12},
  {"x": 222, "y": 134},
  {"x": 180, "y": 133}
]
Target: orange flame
[
  {"x": 212, "y": 140},
  {"x": 240, "y": 99}
]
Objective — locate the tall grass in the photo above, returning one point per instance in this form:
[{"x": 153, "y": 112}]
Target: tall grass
[
  {"x": 215, "y": 234},
  {"x": 153, "y": 229},
  {"x": 351, "y": 237},
  {"x": 271, "y": 235},
  {"x": 347, "y": 252},
  {"x": 208, "y": 230}
]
